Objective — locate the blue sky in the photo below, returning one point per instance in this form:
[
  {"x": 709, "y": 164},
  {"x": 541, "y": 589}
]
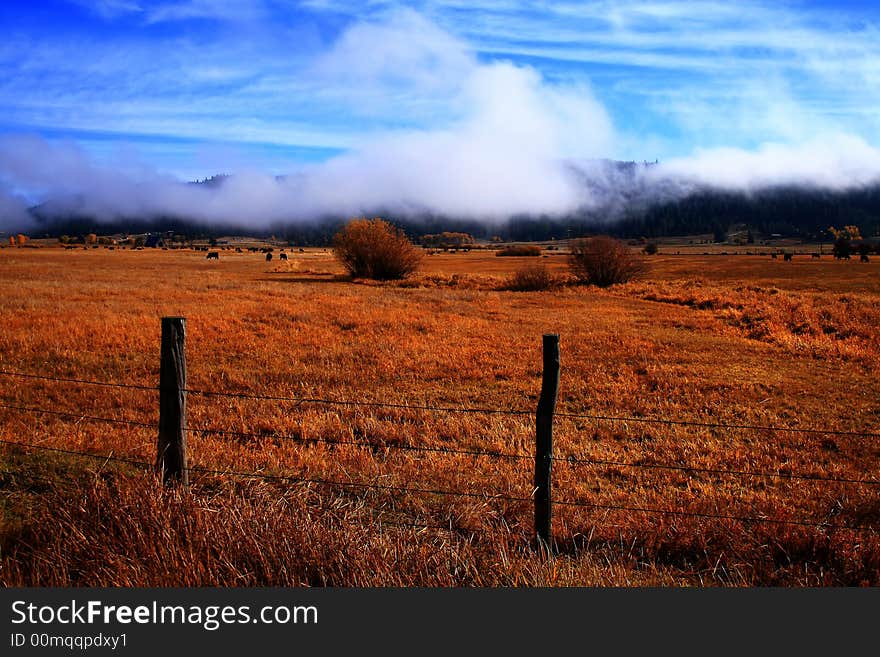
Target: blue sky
[{"x": 192, "y": 88}]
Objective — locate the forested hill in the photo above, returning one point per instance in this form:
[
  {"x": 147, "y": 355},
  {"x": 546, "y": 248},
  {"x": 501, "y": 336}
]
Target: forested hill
[{"x": 790, "y": 212}]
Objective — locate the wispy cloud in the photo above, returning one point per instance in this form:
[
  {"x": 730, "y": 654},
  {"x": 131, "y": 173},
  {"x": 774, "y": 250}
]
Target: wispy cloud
[
  {"x": 227, "y": 10},
  {"x": 110, "y": 9},
  {"x": 158, "y": 11}
]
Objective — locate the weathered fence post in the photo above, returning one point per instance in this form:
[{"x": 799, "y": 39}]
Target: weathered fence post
[
  {"x": 171, "y": 449},
  {"x": 544, "y": 438}
]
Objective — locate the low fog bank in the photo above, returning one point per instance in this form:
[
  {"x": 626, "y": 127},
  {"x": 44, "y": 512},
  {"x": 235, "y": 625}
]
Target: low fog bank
[{"x": 69, "y": 191}]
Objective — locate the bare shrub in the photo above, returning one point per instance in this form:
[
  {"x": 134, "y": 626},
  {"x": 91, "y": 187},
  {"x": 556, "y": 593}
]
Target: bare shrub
[
  {"x": 605, "y": 261},
  {"x": 531, "y": 278},
  {"x": 520, "y": 250},
  {"x": 373, "y": 248}
]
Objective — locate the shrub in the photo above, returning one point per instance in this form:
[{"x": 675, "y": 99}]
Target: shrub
[
  {"x": 520, "y": 250},
  {"x": 604, "y": 261},
  {"x": 651, "y": 248},
  {"x": 531, "y": 278},
  {"x": 373, "y": 248},
  {"x": 842, "y": 248}
]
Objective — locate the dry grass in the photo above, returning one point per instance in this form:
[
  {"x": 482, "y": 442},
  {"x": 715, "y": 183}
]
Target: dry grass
[
  {"x": 520, "y": 250},
  {"x": 709, "y": 339}
]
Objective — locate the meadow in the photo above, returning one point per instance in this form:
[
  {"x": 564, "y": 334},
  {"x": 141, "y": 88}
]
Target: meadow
[{"x": 701, "y": 341}]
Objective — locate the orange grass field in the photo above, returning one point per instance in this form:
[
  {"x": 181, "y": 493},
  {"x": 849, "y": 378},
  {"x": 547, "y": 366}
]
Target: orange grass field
[{"x": 742, "y": 340}]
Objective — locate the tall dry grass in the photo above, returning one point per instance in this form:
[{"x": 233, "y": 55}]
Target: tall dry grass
[{"x": 673, "y": 346}]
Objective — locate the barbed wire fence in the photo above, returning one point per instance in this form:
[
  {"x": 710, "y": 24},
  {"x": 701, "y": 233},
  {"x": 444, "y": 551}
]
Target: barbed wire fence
[{"x": 172, "y": 458}]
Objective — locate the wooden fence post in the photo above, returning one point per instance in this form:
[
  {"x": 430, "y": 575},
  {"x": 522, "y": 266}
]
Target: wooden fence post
[
  {"x": 544, "y": 438},
  {"x": 171, "y": 449}
]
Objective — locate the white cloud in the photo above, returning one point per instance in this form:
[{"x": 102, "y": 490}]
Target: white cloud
[
  {"x": 504, "y": 156},
  {"x": 834, "y": 162}
]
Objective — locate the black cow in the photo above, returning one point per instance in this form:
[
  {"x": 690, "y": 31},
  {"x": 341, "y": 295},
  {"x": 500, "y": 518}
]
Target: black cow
[
  {"x": 786, "y": 257},
  {"x": 864, "y": 258},
  {"x": 213, "y": 255},
  {"x": 268, "y": 257},
  {"x": 283, "y": 256}
]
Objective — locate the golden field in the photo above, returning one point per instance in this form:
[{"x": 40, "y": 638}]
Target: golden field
[{"x": 708, "y": 339}]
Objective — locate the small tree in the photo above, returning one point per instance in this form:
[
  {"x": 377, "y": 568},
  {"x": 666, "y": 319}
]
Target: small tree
[
  {"x": 604, "y": 261},
  {"x": 373, "y": 248},
  {"x": 651, "y": 248}
]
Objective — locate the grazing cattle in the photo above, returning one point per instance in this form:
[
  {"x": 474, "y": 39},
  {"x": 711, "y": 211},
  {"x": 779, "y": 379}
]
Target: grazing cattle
[
  {"x": 864, "y": 258},
  {"x": 283, "y": 256},
  {"x": 238, "y": 249},
  {"x": 773, "y": 255},
  {"x": 213, "y": 255},
  {"x": 815, "y": 255},
  {"x": 268, "y": 257},
  {"x": 786, "y": 257}
]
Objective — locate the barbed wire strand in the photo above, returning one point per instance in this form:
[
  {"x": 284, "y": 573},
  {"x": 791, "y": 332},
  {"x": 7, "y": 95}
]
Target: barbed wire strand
[
  {"x": 70, "y": 452},
  {"x": 465, "y": 452},
  {"x": 358, "y": 443},
  {"x": 107, "y": 384},
  {"x": 572, "y": 460},
  {"x": 444, "y": 492},
  {"x": 711, "y": 425},
  {"x": 719, "y": 516},
  {"x": 82, "y": 416},
  {"x": 499, "y": 496},
  {"x": 349, "y": 402},
  {"x": 452, "y": 409}
]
